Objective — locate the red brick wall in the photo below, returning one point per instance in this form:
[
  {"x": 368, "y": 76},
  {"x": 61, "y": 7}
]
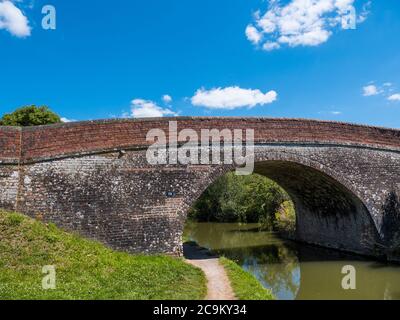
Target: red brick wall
[
  {"x": 85, "y": 137},
  {"x": 10, "y": 146}
]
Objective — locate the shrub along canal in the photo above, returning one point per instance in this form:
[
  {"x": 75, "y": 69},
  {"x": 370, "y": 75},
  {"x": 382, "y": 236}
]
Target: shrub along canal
[{"x": 296, "y": 271}]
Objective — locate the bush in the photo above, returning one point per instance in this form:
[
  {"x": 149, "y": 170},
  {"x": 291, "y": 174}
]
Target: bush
[
  {"x": 30, "y": 116},
  {"x": 285, "y": 218}
]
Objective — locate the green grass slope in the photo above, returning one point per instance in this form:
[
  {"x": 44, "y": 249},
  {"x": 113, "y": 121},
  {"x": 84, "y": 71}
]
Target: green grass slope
[
  {"x": 245, "y": 285},
  {"x": 85, "y": 269}
]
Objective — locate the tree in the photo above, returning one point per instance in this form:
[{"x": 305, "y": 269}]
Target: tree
[
  {"x": 30, "y": 116},
  {"x": 247, "y": 199}
]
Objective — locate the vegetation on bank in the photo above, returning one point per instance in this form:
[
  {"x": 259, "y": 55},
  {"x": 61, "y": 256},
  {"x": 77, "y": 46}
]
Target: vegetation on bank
[
  {"x": 85, "y": 269},
  {"x": 245, "y": 199},
  {"x": 245, "y": 285},
  {"x": 30, "y": 116},
  {"x": 285, "y": 219}
]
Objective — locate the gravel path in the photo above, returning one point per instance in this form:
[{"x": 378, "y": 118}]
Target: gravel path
[{"x": 218, "y": 284}]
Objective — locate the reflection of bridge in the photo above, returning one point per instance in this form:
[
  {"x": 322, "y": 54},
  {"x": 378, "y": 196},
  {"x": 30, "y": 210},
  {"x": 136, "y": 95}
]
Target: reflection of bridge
[{"x": 344, "y": 179}]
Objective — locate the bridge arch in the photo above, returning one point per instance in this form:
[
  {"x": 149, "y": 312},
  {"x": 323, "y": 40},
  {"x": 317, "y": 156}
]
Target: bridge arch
[{"x": 329, "y": 210}]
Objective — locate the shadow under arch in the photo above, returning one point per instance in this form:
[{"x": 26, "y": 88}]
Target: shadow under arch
[{"x": 328, "y": 212}]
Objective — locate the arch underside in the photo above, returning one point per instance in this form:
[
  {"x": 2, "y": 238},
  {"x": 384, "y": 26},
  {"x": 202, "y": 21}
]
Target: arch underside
[{"x": 327, "y": 213}]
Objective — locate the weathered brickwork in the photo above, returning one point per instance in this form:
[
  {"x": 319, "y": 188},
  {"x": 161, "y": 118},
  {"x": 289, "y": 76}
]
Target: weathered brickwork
[
  {"x": 9, "y": 177},
  {"x": 93, "y": 177},
  {"x": 85, "y": 137},
  {"x": 10, "y": 144}
]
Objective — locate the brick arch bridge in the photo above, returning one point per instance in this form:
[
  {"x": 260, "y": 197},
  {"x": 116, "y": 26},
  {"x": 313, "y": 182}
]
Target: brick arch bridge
[{"x": 93, "y": 177}]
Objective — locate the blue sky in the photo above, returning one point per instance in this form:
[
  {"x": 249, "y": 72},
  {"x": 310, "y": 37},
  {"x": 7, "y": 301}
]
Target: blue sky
[{"x": 211, "y": 57}]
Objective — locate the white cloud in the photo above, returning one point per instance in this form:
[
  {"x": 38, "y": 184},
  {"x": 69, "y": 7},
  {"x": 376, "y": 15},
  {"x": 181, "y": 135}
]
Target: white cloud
[
  {"x": 167, "y": 98},
  {"x": 253, "y": 34},
  {"x": 370, "y": 90},
  {"x": 232, "y": 98},
  {"x": 331, "y": 112},
  {"x": 365, "y": 11},
  {"x": 13, "y": 20},
  {"x": 301, "y": 22},
  {"x": 394, "y": 97},
  {"x": 269, "y": 46},
  {"x": 66, "y": 120},
  {"x": 386, "y": 89},
  {"x": 145, "y": 108}
]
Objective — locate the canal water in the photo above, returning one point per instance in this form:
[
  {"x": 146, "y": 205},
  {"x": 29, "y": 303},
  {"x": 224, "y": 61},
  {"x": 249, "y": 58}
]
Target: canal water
[{"x": 296, "y": 271}]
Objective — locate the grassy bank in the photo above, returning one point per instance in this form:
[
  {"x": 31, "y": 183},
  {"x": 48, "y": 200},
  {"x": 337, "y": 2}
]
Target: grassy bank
[
  {"x": 244, "y": 284},
  {"x": 85, "y": 269}
]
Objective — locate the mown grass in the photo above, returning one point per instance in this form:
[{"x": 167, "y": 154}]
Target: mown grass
[
  {"x": 245, "y": 285},
  {"x": 85, "y": 269}
]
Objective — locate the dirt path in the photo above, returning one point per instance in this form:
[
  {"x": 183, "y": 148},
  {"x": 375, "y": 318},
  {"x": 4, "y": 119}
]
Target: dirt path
[{"x": 218, "y": 284}]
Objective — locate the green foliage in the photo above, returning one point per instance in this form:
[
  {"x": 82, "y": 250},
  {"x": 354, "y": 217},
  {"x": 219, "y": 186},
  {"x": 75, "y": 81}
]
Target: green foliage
[
  {"x": 85, "y": 269},
  {"x": 245, "y": 285},
  {"x": 233, "y": 198},
  {"x": 285, "y": 218},
  {"x": 30, "y": 116}
]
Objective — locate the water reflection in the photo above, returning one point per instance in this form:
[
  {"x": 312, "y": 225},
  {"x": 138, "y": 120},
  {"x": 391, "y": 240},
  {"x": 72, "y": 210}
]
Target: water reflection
[{"x": 295, "y": 271}]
